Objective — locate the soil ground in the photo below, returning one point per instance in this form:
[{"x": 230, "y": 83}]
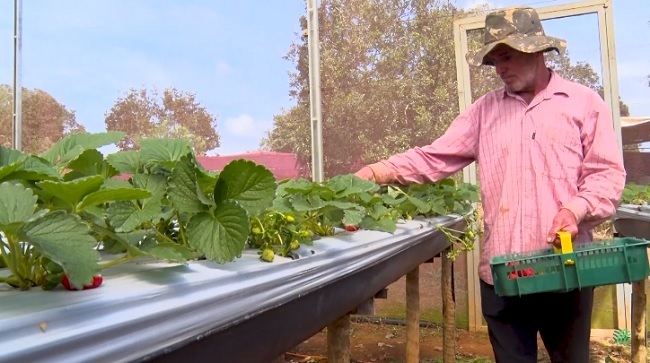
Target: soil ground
[
  {"x": 374, "y": 343},
  {"x": 381, "y": 342}
]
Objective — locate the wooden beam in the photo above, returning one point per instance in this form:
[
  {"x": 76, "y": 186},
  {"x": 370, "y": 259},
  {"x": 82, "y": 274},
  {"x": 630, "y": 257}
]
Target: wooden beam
[
  {"x": 338, "y": 340},
  {"x": 413, "y": 316},
  {"x": 639, "y": 348},
  {"x": 448, "y": 310}
]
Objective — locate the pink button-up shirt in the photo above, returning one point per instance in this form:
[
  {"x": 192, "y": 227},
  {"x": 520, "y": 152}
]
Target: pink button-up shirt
[{"x": 559, "y": 151}]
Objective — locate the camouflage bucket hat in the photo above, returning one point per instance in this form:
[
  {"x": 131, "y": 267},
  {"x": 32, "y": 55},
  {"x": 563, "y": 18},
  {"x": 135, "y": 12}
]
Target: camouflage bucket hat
[{"x": 518, "y": 28}]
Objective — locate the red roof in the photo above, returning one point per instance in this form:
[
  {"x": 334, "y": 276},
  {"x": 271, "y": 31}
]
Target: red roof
[{"x": 282, "y": 165}]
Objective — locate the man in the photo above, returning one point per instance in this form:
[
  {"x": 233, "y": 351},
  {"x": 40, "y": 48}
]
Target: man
[{"x": 548, "y": 161}]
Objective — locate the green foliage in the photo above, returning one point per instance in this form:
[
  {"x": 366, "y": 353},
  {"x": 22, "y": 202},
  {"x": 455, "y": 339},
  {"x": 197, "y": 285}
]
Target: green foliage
[
  {"x": 61, "y": 208},
  {"x": 636, "y": 194},
  {"x": 443, "y": 198},
  {"x": 622, "y": 336},
  {"x": 35, "y": 238}
]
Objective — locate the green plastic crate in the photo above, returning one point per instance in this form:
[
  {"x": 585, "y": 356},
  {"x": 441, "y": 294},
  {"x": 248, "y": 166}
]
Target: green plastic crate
[{"x": 595, "y": 264}]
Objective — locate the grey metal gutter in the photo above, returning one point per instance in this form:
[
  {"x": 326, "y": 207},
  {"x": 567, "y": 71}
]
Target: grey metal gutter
[{"x": 633, "y": 221}]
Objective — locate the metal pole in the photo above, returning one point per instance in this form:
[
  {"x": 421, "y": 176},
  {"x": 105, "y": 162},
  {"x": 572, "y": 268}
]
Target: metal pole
[
  {"x": 314, "y": 91},
  {"x": 17, "y": 107}
]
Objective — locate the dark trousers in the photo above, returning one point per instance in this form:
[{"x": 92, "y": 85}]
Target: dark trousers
[{"x": 563, "y": 321}]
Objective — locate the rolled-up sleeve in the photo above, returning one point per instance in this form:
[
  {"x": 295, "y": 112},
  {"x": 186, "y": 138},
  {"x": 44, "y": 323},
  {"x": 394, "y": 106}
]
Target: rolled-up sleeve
[{"x": 451, "y": 152}]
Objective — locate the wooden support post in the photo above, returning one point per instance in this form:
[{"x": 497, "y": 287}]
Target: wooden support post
[
  {"x": 448, "y": 310},
  {"x": 338, "y": 340},
  {"x": 413, "y": 316},
  {"x": 639, "y": 349}
]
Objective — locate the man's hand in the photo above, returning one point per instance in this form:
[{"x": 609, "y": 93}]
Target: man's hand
[
  {"x": 365, "y": 173},
  {"x": 564, "y": 220}
]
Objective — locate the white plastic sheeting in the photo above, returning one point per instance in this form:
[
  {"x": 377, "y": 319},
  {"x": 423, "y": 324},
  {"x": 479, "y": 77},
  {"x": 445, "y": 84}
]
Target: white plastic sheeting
[{"x": 146, "y": 308}]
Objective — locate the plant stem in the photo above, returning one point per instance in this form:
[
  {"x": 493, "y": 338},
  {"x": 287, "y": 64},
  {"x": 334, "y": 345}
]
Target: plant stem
[
  {"x": 16, "y": 261},
  {"x": 115, "y": 262},
  {"x": 181, "y": 230},
  {"x": 260, "y": 224},
  {"x": 163, "y": 236}
]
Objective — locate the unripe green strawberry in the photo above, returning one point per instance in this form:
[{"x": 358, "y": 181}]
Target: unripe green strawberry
[
  {"x": 268, "y": 255},
  {"x": 289, "y": 218},
  {"x": 306, "y": 233},
  {"x": 294, "y": 245},
  {"x": 256, "y": 230}
]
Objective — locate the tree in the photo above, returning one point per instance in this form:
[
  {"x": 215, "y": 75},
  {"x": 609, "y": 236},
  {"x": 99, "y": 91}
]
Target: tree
[
  {"x": 175, "y": 114},
  {"x": 388, "y": 80},
  {"x": 44, "y": 119},
  {"x": 386, "y": 84}
]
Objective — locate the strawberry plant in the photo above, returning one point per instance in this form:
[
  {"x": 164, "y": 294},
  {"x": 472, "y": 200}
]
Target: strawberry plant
[
  {"x": 39, "y": 245},
  {"x": 442, "y": 198},
  {"x": 274, "y": 232},
  {"x": 340, "y": 201},
  {"x": 64, "y": 208},
  {"x": 636, "y": 194}
]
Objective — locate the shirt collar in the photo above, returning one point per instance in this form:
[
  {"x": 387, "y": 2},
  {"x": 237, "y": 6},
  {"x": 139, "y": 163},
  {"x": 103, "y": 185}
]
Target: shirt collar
[{"x": 556, "y": 85}]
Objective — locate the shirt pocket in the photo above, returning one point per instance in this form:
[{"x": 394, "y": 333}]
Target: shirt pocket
[{"x": 557, "y": 151}]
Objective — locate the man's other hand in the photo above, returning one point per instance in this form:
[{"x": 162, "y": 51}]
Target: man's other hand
[{"x": 564, "y": 220}]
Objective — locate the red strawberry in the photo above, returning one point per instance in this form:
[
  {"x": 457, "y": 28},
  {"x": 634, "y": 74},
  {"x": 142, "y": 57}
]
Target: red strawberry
[
  {"x": 531, "y": 272},
  {"x": 350, "y": 228},
  {"x": 97, "y": 280}
]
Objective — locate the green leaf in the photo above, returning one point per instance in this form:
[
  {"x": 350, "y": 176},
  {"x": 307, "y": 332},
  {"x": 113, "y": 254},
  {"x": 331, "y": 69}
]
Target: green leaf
[
  {"x": 172, "y": 252},
  {"x": 17, "y": 203},
  {"x": 70, "y": 147},
  {"x": 251, "y": 185},
  {"x": 108, "y": 195},
  {"x": 10, "y": 156},
  {"x": 183, "y": 188},
  {"x": 91, "y": 162},
  {"x": 36, "y": 168},
  {"x": 377, "y": 211},
  {"x": 292, "y": 186},
  {"x": 10, "y": 161},
  {"x": 125, "y": 216},
  {"x": 348, "y": 184},
  {"x": 340, "y": 204},
  {"x": 17, "y": 165},
  {"x": 114, "y": 183},
  {"x": 303, "y": 203},
  {"x": 437, "y": 206},
  {"x": 164, "y": 150},
  {"x": 206, "y": 180},
  {"x": 221, "y": 235},
  {"x": 353, "y": 217},
  {"x": 65, "y": 239},
  {"x": 125, "y": 162},
  {"x": 72, "y": 191},
  {"x": 384, "y": 224},
  {"x": 154, "y": 183},
  {"x": 125, "y": 242}
]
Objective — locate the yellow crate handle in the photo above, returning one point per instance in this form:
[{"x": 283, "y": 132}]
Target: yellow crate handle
[{"x": 566, "y": 246}]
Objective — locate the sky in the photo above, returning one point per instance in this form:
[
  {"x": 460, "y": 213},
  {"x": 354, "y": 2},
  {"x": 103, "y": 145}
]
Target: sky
[{"x": 88, "y": 53}]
